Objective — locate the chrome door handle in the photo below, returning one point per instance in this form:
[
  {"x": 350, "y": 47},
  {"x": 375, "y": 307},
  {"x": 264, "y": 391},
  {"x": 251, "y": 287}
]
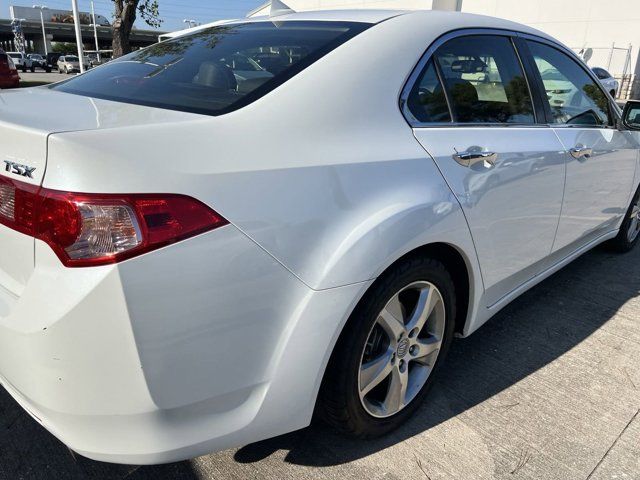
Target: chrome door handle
[
  {"x": 471, "y": 158},
  {"x": 580, "y": 151}
]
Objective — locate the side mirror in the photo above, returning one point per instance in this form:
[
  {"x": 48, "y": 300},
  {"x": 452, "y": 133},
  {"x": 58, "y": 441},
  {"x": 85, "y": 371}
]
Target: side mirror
[{"x": 631, "y": 115}]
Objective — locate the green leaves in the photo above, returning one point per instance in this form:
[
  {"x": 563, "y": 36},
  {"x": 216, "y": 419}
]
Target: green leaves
[{"x": 150, "y": 13}]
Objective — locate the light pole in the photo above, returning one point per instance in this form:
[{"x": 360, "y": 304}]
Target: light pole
[
  {"x": 76, "y": 22},
  {"x": 95, "y": 30},
  {"x": 44, "y": 33}
]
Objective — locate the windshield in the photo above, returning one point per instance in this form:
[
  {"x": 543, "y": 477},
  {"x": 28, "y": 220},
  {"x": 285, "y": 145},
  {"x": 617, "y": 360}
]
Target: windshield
[
  {"x": 15, "y": 55},
  {"x": 36, "y": 57},
  {"x": 215, "y": 70},
  {"x": 71, "y": 59}
]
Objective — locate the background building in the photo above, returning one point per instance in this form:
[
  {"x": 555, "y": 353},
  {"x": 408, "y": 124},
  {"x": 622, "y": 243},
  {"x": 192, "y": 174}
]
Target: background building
[{"x": 605, "y": 33}]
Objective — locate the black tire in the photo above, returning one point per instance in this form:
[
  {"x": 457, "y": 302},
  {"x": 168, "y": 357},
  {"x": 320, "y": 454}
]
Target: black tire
[
  {"x": 48, "y": 70},
  {"x": 339, "y": 402},
  {"x": 59, "y": 70},
  {"x": 33, "y": 69},
  {"x": 621, "y": 243},
  {"x": 613, "y": 93},
  {"x": 24, "y": 69}
]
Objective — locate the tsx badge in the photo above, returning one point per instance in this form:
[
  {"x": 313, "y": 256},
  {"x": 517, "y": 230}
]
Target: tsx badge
[{"x": 19, "y": 169}]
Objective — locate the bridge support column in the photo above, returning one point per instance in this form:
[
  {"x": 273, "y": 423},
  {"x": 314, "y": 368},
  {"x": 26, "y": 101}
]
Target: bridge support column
[{"x": 38, "y": 45}]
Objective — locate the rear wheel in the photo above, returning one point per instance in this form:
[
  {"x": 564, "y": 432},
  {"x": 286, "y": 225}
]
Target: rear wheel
[
  {"x": 383, "y": 364},
  {"x": 629, "y": 233}
]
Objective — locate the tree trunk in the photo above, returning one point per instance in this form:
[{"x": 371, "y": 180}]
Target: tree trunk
[{"x": 125, "y": 16}]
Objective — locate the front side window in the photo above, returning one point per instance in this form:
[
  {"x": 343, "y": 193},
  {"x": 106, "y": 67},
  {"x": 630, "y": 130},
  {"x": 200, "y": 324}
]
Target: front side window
[
  {"x": 573, "y": 96},
  {"x": 215, "y": 70},
  {"x": 484, "y": 80}
]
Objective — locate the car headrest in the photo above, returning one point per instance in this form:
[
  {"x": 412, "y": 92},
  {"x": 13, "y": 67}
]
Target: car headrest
[{"x": 215, "y": 75}]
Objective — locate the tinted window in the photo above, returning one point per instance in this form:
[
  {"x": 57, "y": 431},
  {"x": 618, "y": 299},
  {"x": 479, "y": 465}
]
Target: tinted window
[
  {"x": 574, "y": 98},
  {"x": 601, "y": 73},
  {"x": 426, "y": 101},
  {"x": 484, "y": 80},
  {"x": 215, "y": 70}
]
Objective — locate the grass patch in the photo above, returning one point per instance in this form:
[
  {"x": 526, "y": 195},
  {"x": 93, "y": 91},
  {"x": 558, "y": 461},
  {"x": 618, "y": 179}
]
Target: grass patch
[{"x": 32, "y": 83}]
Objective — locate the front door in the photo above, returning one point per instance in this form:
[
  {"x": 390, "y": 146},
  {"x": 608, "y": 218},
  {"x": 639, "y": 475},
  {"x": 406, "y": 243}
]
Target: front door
[
  {"x": 601, "y": 160},
  {"x": 506, "y": 170}
]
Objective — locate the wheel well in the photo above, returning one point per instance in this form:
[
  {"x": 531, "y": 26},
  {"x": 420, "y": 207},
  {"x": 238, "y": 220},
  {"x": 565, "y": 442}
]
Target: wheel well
[{"x": 454, "y": 262}]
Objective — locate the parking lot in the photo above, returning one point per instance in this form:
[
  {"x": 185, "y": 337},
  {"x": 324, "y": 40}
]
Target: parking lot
[
  {"x": 549, "y": 389},
  {"x": 40, "y": 77}
]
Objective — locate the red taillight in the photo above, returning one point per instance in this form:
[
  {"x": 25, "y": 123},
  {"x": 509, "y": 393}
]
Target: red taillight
[{"x": 95, "y": 229}]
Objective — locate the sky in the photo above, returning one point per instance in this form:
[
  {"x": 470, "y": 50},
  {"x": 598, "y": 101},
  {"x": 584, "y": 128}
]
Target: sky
[{"x": 172, "y": 11}]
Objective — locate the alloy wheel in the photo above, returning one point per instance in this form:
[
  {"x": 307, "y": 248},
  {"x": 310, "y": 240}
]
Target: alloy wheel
[
  {"x": 634, "y": 224},
  {"x": 401, "y": 349}
]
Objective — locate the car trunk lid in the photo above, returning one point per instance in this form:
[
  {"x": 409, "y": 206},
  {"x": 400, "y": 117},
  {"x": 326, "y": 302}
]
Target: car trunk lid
[{"x": 27, "y": 118}]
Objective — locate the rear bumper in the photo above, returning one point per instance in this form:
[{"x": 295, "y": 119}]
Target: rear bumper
[
  {"x": 9, "y": 81},
  {"x": 200, "y": 346}
]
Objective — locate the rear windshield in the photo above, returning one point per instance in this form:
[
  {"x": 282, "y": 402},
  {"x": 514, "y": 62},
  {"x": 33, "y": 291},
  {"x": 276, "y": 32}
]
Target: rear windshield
[{"x": 216, "y": 70}]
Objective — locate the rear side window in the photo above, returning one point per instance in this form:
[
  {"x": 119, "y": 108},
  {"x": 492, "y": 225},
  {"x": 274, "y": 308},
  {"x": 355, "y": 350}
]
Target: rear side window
[
  {"x": 573, "y": 96},
  {"x": 484, "y": 80},
  {"x": 216, "y": 70},
  {"x": 426, "y": 101}
]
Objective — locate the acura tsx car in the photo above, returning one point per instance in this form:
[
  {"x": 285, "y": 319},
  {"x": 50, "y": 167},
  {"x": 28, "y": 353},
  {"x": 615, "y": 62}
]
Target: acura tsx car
[{"x": 196, "y": 258}]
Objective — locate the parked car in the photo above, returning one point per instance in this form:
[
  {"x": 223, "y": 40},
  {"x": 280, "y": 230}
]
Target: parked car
[
  {"x": 21, "y": 61},
  {"x": 201, "y": 259},
  {"x": 39, "y": 61},
  {"x": 52, "y": 60},
  {"x": 610, "y": 83},
  {"x": 70, "y": 64},
  {"x": 9, "y": 77}
]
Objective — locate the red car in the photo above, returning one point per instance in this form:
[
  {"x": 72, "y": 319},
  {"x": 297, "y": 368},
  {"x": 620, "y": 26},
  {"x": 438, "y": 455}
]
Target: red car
[{"x": 9, "y": 77}]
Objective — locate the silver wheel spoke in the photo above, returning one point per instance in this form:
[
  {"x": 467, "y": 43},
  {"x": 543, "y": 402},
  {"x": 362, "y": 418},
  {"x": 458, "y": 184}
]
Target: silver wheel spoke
[
  {"x": 426, "y": 348},
  {"x": 426, "y": 303},
  {"x": 374, "y": 372},
  {"x": 392, "y": 325},
  {"x": 397, "y": 391}
]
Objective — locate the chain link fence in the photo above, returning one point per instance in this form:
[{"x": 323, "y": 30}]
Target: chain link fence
[{"x": 618, "y": 62}]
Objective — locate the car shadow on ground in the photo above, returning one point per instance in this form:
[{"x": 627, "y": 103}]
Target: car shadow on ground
[{"x": 533, "y": 331}]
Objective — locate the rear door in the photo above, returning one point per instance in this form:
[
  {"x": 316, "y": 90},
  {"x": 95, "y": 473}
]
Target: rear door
[
  {"x": 472, "y": 110},
  {"x": 601, "y": 160}
]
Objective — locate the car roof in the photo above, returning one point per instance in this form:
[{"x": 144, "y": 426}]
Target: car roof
[{"x": 443, "y": 19}]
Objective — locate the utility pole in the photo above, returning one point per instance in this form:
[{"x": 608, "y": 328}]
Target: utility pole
[
  {"x": 44, "y": 33},
  {"x": 95, "y": 30},
  {"x": 76, "y": 22}
]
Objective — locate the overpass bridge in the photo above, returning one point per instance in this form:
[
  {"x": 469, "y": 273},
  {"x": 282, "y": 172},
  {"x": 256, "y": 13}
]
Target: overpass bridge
[{"x": 64, "y": 32}]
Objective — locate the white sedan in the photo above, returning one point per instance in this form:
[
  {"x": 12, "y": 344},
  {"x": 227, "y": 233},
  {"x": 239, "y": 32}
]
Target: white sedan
[
  {"x": 196, "y": 258},
  {"x": 610, "y": 84}
]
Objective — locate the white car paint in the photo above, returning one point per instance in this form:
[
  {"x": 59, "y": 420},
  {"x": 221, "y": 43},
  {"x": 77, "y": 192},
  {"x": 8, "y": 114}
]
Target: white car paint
[
  {"x": 608, "y": 81},
  {"x": 222, "y": 339}
]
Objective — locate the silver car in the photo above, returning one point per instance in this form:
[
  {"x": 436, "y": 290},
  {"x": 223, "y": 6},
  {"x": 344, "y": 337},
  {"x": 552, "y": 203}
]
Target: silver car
[{"x": 70, "y": 64}]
